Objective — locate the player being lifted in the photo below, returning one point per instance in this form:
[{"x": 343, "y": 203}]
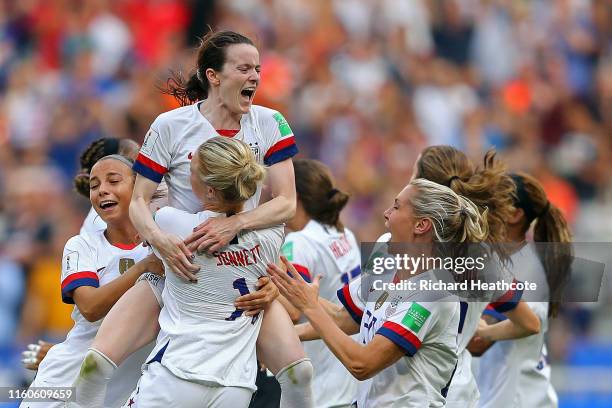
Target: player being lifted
[
  {"x": 98, "y": 267},
  {"x": 407, "y": 350},
  {"x": 516, "y": 373},
  {"x": 221, "y": 92},
  {"x": 319, "y": 245},
  {"x": 205, "y": 352}
]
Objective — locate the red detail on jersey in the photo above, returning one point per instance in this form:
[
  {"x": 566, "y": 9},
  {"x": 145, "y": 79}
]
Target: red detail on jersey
[
  {"x": 243, "y": 257},
  {"x": 190, "y": 156},
  {"x": 158, "y": 168},
  {"x": 302, "y": 270},
  {"x": 228, "y": 132},
  {"x": 79, "y": 275},
  {"x": 346, "y": 293},
  {"x": 340, "y": 247},
  {"x": 407, "y": 334},
  {"x": 281, "y": 145},
  {"x": 126, "y": 247},
  {"x": 131, "y": 402}
]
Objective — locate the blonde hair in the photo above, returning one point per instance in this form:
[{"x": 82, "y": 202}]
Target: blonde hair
[
  {"x": 454, "y": 218},
  {"x": 229, "y": 166}
]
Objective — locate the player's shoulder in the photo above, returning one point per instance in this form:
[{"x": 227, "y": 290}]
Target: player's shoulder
[
  {"x": 273, "y": 234},
  {"x": 267, "y": 116},
  {"x": 85, "y": 241},
  {"x": 174, "y": 117},
  {"x": 174, "y": 220}
]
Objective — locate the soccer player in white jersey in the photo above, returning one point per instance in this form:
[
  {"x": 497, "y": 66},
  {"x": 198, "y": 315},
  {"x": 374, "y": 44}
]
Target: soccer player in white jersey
[
  {"x": 491, "y": 189},
  {"x": 97, "y": 269},
  {"x": 516, "y": 373},
  {"x": 407, "y": 350},
  {"x": 319, "y": 245},
  {"x": 205, "y": 352},
  {"x": 222, "y": 87}
]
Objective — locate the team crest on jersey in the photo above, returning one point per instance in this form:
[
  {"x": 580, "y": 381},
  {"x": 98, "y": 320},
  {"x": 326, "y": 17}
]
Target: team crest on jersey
[
  {"x": 256, "y": 150},
  {"x": 381, "y": 300},
  {"x": 125, "y": 264},
  {"x": 393, "y": 306}
]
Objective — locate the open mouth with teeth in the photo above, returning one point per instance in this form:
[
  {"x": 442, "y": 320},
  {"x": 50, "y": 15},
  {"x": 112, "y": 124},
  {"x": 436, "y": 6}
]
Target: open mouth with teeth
[
  {"x": 108, "y": 205},
  {"x": 248, "y": 93}
]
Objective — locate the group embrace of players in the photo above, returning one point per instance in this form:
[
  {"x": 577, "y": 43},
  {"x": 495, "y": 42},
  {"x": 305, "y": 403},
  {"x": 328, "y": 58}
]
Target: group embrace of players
[{"x": 183, "y": 278}]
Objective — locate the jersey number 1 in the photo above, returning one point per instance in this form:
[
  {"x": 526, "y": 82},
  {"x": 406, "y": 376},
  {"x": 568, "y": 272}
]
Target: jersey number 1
[{"x": 241, "y": 285}]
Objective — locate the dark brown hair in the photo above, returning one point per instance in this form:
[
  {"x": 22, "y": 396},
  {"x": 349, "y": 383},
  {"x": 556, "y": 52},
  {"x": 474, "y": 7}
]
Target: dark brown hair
[
  {"x": 489, "y": 186},
  {"x": 211, "y": 54},
  {"x": 94, "y": 152},
  {"x": 550, "y": 226},
  {"x": 315, "y": 190}
]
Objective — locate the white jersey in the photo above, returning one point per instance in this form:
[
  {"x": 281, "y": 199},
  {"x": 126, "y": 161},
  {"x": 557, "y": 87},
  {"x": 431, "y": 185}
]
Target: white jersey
[
  {"x": 515, "y": 373},
  {"x": 203, "y": 338},
  {"x": 90, "y": 260},
  {"x": 463, "y": 392},
  {"x": 426, "y": 331},
  {"x": 175, "y": 135},
  {"x": 92, "y": 223},
  {"x": 323, "y": 250}
]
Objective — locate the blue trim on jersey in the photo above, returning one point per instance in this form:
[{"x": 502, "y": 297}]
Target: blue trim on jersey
[
  {"x": 398, "y": 340},
  {"x": 342, "y": 300},
  {"x": 503, "y": 307},
  {"x": 67, "y": 290},
  {"x": 281, "y": 155},
  {"x": 147, "y": 172},
  {"x": 494, "y": 313},
  {"x": 159, "y": 355},
  {"x": 462, "y": 314}
]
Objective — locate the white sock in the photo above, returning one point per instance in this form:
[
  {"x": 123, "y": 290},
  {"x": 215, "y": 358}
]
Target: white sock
[
  {"x": 295, "y": 382},
  {"x": 90, "y": 385}
]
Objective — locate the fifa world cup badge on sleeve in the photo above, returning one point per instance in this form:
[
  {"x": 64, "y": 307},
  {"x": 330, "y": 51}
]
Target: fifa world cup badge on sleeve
[
  {"x": 287, "y": 251},
  {"x": 415, "y": 317}
]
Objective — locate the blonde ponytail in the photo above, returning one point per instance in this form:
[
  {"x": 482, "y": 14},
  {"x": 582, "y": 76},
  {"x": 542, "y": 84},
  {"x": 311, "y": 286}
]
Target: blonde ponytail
[
  {"x": 454, "y": 218},
  {"x": 229, "y": 166}
]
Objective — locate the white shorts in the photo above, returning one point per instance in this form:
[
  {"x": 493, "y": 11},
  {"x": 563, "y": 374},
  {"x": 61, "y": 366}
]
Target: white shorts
[
  {"x": 156, "y": 283},
  {"x": 159, "y": 388}
]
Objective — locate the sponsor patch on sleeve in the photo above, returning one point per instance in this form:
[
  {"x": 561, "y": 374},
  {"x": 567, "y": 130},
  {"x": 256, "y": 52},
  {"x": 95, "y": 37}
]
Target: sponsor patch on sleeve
[{"x": 415, "y": 317}]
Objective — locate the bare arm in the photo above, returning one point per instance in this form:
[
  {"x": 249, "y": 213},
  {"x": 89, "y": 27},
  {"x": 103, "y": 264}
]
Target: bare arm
[
  {"x": 522, "y": 322},
  {"x": 362, "y": 361},
  {"x": 94, "y": 303},
  {"x": 339, "y": 315},
  {"x": 215, "y": 233},
  {"x": 172, "y": 249}
]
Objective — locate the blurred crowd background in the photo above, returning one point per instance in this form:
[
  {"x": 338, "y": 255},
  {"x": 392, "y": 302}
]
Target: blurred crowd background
[{"x": 365, "y": 85}]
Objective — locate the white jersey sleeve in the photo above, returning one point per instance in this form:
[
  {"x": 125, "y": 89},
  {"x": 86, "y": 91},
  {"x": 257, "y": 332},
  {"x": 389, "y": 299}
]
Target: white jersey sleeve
[
  {"x": 408, "y": 326},
  {"x": 278, "y": 136},
  {"x": 351, "y": 298},
  {"x": 155, "y": 155},
  {"x": 78, "y": 267},
  {"x": 298, "y": 250}
]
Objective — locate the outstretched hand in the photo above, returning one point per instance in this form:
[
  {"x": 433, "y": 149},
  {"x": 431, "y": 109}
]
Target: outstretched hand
[{"x": 293, "y": 287}]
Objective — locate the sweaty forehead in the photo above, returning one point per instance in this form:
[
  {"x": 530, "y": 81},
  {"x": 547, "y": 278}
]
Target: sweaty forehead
[{"x": 242, "y": 54}]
